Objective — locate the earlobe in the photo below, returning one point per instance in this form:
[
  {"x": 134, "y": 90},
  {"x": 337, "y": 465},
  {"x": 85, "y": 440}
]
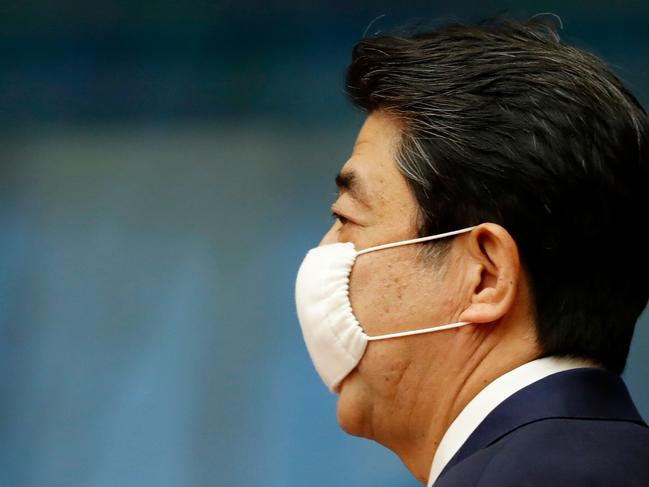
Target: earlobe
[{"x": 494, "y": 274}]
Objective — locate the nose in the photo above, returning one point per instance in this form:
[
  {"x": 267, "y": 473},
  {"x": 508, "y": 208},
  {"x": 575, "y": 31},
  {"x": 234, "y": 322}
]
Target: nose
[{"x": 331, "y": 236}]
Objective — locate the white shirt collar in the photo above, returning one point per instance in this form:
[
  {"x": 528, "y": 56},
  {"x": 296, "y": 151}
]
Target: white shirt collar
[{"x": 491, "y": 396}]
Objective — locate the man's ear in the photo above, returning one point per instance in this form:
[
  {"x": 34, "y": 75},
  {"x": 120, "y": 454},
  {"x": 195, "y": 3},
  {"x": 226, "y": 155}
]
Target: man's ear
[{"x": 493, "y": 274}]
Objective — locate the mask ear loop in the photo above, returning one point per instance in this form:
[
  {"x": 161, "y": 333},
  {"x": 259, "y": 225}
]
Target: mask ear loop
[
  {"x": 413, "y": 241},
  {"x": 419, "y": 332},
  {"x": 408, "y": 242}
]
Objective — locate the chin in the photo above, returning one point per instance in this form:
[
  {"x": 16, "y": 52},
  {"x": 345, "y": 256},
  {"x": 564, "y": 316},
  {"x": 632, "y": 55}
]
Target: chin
[{"x": 351, "y": 410}]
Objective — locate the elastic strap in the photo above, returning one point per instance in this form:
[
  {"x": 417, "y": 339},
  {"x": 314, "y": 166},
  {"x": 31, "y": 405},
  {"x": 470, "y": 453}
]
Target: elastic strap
[
  {"x": 413, "y": 241},
  {"x": 418, "y": 332}
]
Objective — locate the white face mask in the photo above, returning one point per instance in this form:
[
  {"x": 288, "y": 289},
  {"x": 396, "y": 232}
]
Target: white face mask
[{"x": 333, "y": 335}]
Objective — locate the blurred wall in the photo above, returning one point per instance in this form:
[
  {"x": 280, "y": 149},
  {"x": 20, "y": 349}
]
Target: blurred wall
[{"x": 163, "y": 169}]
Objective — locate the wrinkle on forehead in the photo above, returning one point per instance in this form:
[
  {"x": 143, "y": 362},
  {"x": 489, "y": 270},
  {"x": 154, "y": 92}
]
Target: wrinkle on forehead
[
  {"x": 379, "y": 128},
  {"x": 373, "y": 159}
]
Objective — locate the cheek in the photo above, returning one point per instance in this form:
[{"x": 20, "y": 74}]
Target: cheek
[
  {"x": 385, "y": 294},
  {"x": 373, "y": 292},
  {"x": 392, "y": 293},
  {"x": 377, "y": 377}
]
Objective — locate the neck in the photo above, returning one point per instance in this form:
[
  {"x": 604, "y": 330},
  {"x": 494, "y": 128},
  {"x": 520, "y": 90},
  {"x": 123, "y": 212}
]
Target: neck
[{"x": 439, "y": 402}]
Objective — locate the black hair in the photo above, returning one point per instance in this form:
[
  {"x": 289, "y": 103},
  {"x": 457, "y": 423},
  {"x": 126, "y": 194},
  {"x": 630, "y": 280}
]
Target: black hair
[{"x": 503, "y": 122}]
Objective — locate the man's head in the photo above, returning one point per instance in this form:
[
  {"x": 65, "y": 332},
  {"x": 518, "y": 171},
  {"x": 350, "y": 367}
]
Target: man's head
[
  {"x": 498, "y": 123},
  {"x": 504, "y": 123},
  {"x": 476, "y": 278}
]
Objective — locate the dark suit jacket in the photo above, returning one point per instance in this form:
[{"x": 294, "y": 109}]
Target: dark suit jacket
[{"x": 574, "y": 428}]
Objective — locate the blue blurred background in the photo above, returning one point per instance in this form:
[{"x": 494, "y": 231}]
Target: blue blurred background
[{"x": 164, "y": 166}]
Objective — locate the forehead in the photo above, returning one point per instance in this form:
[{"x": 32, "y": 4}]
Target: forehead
[
  {"x": 378, "y": 137},
  {"x": 373, "y": 161}
]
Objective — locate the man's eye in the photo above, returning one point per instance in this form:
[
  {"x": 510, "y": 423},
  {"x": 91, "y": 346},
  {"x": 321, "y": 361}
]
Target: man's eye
[{"x": 339, "y": 217}]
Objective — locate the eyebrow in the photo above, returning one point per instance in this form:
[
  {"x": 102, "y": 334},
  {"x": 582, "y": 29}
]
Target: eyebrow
[{"x": 348, "y": 181}]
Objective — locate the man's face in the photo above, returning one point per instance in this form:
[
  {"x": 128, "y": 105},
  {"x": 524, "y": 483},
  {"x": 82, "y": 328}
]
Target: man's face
[{"x": 390, "y": 290}]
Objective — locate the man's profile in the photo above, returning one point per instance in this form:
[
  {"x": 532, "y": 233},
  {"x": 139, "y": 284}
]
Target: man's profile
[{"x": 474, "y": 301}]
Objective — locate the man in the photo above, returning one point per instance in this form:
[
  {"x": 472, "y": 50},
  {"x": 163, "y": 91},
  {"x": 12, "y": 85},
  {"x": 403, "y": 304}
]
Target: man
[{"x": 489, "y": 352}]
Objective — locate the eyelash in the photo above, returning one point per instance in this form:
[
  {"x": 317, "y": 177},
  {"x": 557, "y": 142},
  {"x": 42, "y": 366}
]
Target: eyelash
[{"x": 339, "y": 217}]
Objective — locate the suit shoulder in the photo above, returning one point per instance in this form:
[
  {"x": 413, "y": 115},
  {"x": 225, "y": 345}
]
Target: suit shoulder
[{"x": 571, "y": 452}]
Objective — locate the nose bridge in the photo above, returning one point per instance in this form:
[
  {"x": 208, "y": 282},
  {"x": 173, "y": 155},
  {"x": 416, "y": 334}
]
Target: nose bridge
[{"x": 330, "y": 236}]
